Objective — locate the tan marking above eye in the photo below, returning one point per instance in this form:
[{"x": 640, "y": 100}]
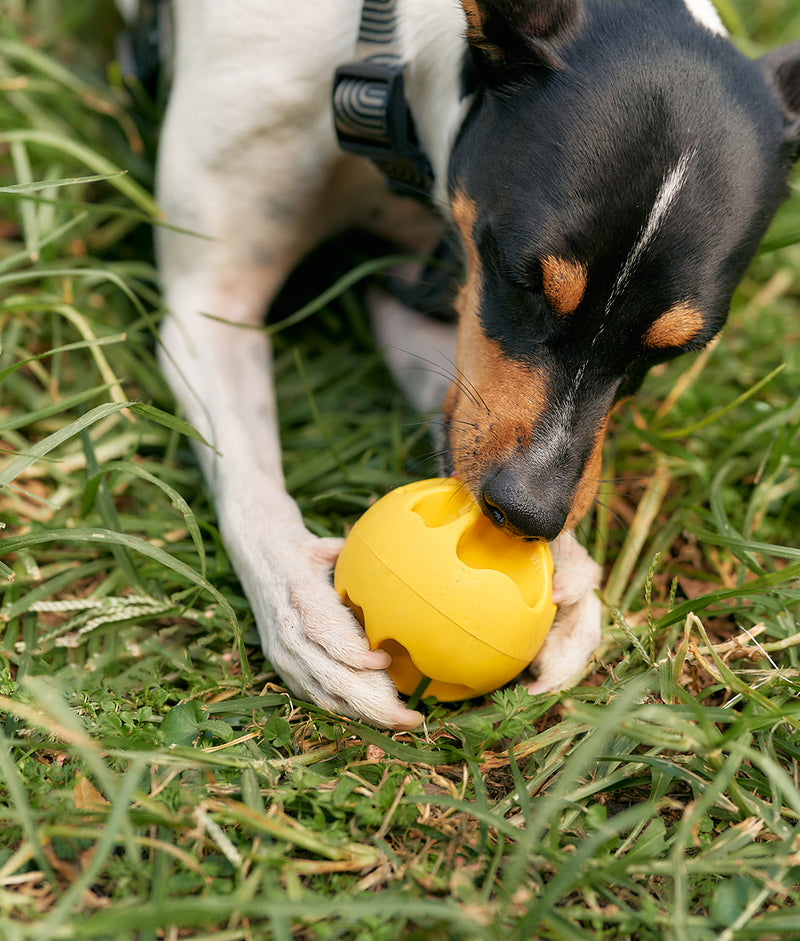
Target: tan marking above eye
[
  {"x": 564, "y": 283},
  {"x": 675, "y": 328}
]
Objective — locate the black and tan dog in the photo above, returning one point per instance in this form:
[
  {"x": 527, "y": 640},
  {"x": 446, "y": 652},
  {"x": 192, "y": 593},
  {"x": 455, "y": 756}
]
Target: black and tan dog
[{"x": 610, "y": 166}]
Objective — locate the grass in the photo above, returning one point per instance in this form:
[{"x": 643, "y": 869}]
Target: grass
[{"x": 157, "y": 781}]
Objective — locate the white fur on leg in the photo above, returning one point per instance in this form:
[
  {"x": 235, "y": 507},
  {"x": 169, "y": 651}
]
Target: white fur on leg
[
  {"x": 576, "y": 631},
  {"x": 248, "y": 161},
  {"x": 221, "y": 374}
]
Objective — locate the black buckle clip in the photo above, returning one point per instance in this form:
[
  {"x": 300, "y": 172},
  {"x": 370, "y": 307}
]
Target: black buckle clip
[
  {"x": 373, "y": 120},
  {"x": 376, "y": 81}
]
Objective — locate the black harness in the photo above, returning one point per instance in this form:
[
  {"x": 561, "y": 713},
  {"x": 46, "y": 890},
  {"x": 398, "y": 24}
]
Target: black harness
[{"x": 370, "y": 110}]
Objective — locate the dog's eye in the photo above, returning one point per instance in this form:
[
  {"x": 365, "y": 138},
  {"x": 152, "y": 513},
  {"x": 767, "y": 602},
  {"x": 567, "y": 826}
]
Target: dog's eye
[
  {"x": 527, "y": 276},
  {"x": 532, "y": 277}
]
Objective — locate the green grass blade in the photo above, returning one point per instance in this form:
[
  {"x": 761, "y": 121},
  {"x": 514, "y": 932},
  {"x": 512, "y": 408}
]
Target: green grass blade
[
  {"x": 21, "y": 805},
  {"x": 90, "y": 158},
  {"x": 51, "y": 442},
  {"x": 174, "y": 497},
  {"x": 97, "y": 536}
]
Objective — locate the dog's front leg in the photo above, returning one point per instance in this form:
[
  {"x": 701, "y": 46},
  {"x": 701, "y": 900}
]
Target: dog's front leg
[
  {"x": 576, "y": 631},
  {"x": 251, "y": 183},
  {"x": 221, "y": 374}
]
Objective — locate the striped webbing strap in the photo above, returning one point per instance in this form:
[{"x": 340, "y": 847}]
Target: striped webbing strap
[{"x": 370, "y": 111}]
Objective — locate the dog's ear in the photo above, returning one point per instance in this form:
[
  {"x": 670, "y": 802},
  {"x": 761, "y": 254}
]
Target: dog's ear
[
  {"x": 508, "y": 36},
  {"x": 782, "y": 68}
]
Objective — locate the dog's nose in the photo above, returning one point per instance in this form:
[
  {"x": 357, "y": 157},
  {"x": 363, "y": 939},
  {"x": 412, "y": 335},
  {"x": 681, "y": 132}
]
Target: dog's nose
[{"x": 523, "y": 507}]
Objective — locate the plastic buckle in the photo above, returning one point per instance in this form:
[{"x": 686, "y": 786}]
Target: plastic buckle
[
  {"x": 373, "y": 120},
  {"x": 379, "y": 95}
]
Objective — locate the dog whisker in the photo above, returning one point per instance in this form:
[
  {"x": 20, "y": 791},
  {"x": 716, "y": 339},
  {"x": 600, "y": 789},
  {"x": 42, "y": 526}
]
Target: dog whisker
[
  {"x": 465, "y": 381},
  {"x": 613, "y": 513},
  {"x": 457, "y": 377},
  {"x": 462, "y": 422}
]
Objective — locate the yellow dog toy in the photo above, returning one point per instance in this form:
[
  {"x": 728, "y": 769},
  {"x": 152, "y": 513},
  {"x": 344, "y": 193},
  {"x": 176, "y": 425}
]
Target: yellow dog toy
[{"x": 446, "y": 594}]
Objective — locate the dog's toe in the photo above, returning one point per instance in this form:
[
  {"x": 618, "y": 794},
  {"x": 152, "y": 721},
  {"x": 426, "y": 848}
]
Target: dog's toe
[
  {"x": 325, "y": 551},
  {"x": 318, "y": 647},
  {"x": 365, "y": 696}
]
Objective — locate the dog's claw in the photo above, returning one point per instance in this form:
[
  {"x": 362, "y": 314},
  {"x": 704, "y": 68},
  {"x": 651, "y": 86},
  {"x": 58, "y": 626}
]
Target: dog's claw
[
  {"x": 376, "y": 660},
  {"x": 326, "y": 551},
  {"x": 407, "y": 719}
]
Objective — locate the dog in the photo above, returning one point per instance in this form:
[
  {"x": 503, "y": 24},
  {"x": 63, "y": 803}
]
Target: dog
[{"x": 608, "y": 168}]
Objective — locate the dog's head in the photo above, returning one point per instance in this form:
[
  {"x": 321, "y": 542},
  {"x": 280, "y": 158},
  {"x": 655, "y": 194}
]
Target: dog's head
[{"x": 611, "y": 182}]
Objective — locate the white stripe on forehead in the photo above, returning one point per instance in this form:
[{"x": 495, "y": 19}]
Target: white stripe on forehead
[
  {"x": 705, "y": 12},
  {"x": 670, "y": 189},
  {"x": 559, "y": 431}
]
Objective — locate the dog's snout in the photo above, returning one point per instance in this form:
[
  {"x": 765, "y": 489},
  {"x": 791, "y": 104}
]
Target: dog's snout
[{"x": 524, "y": 507}]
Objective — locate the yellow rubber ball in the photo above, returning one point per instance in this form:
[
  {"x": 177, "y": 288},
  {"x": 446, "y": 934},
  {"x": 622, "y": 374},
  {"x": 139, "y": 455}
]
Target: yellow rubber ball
[{"x": 444, "y": 592}]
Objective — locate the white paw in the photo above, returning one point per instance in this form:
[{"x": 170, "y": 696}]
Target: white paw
[
  {"x": 315, "y": 643},
  {"x": 571, "y": 642},
  {"x": 575, "y": 633},
  {"x": 575, "y": 573}
]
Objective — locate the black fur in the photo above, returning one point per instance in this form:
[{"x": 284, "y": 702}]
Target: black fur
[{"x": 567, "y": 161}]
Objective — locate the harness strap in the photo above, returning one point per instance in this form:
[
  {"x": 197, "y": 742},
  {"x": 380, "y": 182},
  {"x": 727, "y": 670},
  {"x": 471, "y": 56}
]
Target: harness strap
[{"x": 371, "y": 115}]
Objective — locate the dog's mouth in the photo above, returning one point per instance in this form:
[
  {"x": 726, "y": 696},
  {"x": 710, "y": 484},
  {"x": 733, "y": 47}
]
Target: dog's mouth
[
  {"x": 512, "y": 504},
  {"x": 522, "y": 506},
  {"x": 532, "y": 480}
]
